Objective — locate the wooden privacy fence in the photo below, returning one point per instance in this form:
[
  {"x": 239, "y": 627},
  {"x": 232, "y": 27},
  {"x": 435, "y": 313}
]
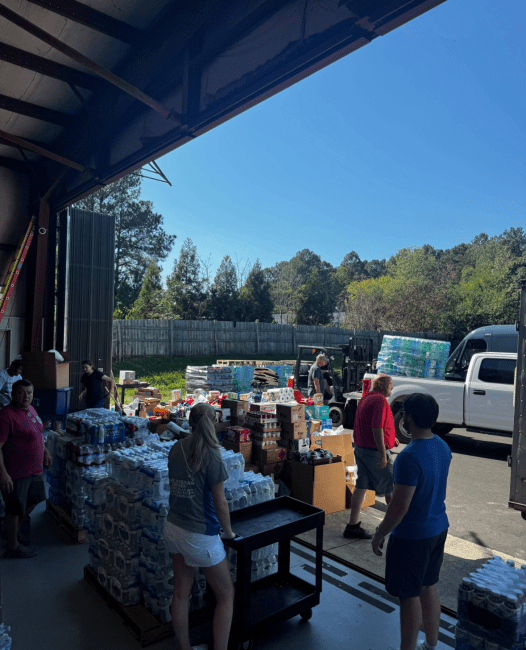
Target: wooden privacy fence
[{"x": 182, "y": 338}]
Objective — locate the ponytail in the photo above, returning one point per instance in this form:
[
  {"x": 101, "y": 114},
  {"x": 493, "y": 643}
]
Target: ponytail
[{"x": 202, "y": 417}]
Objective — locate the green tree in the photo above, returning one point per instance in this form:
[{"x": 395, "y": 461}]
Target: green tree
[
  {"x": 255, "y": 299},
  {"x": 139, "y": 235},
  {"x": 224, "y": 302},
  {"x": 351, "y": 269},
  {"x": 149, "y": 302},
  {"x": 184, "y": 296}
]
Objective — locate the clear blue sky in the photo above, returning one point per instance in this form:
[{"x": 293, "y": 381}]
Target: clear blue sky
[{"x": 417, "y": 138}]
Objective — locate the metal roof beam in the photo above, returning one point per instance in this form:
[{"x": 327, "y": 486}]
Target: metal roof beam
[
  {"x": 100, "y": 22},
  {"x": 9, "y": 143},
  {"x": 48, "y": 68},
  {"x": 13, "y": 163},
  {"x": 77, "y": 56},
  {"x": 24, "y": 144},
  {"x": 32, "y": 110}
]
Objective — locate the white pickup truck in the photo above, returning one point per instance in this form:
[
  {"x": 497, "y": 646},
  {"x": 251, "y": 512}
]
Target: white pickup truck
[{"x": 483, "y": 402}]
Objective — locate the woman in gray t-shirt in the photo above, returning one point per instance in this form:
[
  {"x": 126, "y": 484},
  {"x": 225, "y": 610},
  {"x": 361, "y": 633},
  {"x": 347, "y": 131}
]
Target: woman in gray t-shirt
[{"x": 198, "y": 510}]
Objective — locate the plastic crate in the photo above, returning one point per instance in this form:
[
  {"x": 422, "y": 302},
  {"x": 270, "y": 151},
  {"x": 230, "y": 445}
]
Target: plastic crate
[{"x": 52, "y": 400}]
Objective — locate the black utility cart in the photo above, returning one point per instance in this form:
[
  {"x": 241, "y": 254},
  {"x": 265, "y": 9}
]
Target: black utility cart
[{"x": 280, "y": 596}]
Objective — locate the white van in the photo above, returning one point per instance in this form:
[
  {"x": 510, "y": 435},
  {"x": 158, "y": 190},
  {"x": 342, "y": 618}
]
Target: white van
[{"x": 492, "y": 338}]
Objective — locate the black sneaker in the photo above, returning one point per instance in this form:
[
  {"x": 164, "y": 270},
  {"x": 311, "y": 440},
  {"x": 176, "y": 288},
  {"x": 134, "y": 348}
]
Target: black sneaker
[
  {"x": 356, "y": 532},
  {"x": 20, "y": 553}
]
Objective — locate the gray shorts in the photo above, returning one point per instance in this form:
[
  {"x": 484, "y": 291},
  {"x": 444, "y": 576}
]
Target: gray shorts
[
  {"x": 26, "y": 492},
  {"x": 370, "y": 476}
]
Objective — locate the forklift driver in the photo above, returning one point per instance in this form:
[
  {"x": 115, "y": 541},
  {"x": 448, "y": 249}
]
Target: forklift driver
[{"x": 317, "y": 383}]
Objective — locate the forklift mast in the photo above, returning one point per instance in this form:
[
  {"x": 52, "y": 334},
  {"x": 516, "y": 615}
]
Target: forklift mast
[{"x": 517, "y": 460}]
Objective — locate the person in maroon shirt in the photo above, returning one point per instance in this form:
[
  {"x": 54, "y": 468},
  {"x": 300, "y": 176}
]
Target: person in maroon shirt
[
  {"x": 22, "y": 459},
  {"x": 374, "y": 437}
]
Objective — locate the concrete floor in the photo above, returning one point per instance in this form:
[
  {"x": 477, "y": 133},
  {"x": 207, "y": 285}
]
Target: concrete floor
[{"x": 50, "y": 607}]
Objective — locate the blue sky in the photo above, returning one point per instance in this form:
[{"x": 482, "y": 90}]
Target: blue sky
[{"x": 417, "y": 138}]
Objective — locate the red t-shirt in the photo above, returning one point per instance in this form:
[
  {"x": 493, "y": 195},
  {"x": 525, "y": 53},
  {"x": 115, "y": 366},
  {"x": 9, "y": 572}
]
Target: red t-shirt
[
  {"x": 373, "y": 412},
  {"x": 21, "y": 433}
]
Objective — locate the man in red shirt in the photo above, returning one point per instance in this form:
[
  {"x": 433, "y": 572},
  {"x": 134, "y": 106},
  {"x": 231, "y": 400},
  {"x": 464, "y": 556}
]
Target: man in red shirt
[
  {"x": 22, "y": 460},
  {"x": 374, "y": 437}
]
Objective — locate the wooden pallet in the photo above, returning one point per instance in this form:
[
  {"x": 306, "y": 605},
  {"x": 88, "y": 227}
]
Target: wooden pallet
[
  {"x": 144, "y": 626},
  {"x": 66, "y": 525}
]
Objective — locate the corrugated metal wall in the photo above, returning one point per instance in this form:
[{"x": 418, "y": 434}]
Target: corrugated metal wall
[
  {"x": 89, "y": 293},
  {"x": 181, "y": 338}
]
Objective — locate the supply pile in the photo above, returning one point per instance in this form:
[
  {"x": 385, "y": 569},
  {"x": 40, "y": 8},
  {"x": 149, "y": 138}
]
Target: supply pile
[
  {"x": 5, "y": 638},
  {"x": 242, "y": 376},
  {"x": 409, "y": 357},
  {"x": 492, "y": 607},
  {"x": 209, "y": 378},
  {"x": 264, "y": 378},
  {"x": 79, "y": 459}
]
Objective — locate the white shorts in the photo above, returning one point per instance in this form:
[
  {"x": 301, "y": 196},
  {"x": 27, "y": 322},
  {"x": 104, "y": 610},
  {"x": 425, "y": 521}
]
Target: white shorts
[{"x": 197, "y": 550}]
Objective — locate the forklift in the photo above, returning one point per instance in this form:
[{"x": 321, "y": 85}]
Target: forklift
[{"x": 344, "y": 373}]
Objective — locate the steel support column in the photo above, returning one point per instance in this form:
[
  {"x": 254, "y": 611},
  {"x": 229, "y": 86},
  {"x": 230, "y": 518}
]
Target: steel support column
[
  {"x": 49, "y": 294},
  {"x": 61, "y": 279},
  {"x": 40, "y": 276}
]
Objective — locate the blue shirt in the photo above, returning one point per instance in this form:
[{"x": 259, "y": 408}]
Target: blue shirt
[{"x": 425, "y": 464}]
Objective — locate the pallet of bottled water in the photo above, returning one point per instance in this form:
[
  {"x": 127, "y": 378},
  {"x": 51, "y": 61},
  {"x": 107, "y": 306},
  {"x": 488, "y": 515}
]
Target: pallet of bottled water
[
  {"x": 411, "y": 357},
  {"x": 491, "y": 608},
  {"x": 126, "y": 514},
  {"x": 5, "y": 638},
  {"x": 209, "y": 378}
]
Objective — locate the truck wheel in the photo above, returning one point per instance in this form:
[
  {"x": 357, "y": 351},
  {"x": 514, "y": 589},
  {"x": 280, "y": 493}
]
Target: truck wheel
[
  {"x": 441, "y": 428},
  {"x": 337, "y": 415},
  {"x": 400, "y": 432}
]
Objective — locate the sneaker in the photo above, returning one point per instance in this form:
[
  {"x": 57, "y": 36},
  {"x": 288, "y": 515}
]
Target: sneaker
[
  {"x": 356, "y": 533},
  {"x": 20, "y": 553},
  {"x": 422, "y": 645},
  {"x": 203, "y": 646}
]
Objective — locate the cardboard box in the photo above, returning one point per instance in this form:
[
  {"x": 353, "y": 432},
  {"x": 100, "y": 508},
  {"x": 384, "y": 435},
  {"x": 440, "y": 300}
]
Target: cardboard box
[
  {"x": 315, "y": 426},
  {"x": 43, "y": 371},
  {"x": 322, "y": 486},
  {"x": 262, "y": 408},
  {"x": 339, "y": 445},
  {"x": 238, "y": 434},
  {"x": 271, "y": 468},
  {"x": 268, "y": 456},
  {"x": 252, "y": 468},
  {"x": 321, "y": 412},
  {"x": 238, "y": 421},
  {"x": 237, "y": 407},
  {"x": 295, "y": 446},
  {"x": 294, "y": 431},
  {"x": 244, "y": 448},
  {"x": 222, "y": 414},
  {"x": 290, "y": 412},
  {"x": 326, "y": 424},
  {"x": 369, "y": 498}
]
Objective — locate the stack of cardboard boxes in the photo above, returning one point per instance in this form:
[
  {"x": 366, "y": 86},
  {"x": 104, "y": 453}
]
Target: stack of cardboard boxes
[
  {"x": 266, "y": 433},
  {"x": 270, "y": 434},
  {"x": 149, "y": 398}
]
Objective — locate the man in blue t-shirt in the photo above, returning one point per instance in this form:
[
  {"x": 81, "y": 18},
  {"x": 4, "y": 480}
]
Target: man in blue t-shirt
[{"x": 417, "y": 521}]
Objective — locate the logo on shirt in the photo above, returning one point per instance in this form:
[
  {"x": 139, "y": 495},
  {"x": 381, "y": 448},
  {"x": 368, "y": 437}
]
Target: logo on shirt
[{"x": 182, "y": 488}]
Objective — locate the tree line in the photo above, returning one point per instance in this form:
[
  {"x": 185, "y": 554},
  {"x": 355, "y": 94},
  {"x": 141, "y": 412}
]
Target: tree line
[{"x": 418, "y": 289}]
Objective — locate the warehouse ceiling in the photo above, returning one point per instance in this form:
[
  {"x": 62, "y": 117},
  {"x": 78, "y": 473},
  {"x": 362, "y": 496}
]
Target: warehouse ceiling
[{"x": 92, "y": 90}]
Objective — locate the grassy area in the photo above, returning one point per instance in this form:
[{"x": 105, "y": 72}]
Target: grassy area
[{"x": 167, "y": 373}]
